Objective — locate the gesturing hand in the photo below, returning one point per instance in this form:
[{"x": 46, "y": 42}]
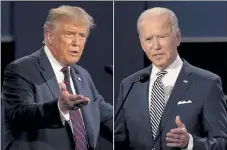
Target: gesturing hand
[
  {"x": 178, "y": 137},
  {"x": 69, "y": 101}
]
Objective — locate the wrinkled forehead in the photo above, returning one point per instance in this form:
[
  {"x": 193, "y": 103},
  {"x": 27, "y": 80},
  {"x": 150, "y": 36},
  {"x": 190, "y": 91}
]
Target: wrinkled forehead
[
  {"x": 71, "y": 23},
  {"x": 156, "y": 22}
]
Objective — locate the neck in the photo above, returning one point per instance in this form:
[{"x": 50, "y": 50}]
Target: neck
[{"x": 168, "y": 64}]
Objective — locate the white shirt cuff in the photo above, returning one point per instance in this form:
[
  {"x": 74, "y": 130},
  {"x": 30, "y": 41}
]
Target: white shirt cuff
[
  {"x": 190, "y": 143},
  {"x": 64, "y": 117}
]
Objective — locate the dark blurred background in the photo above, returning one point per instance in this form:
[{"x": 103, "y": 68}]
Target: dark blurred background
[
  {"x": 204, "y": 33},
  {"x": 203, "y": 26},
  {"x": 22, "y": 34}
]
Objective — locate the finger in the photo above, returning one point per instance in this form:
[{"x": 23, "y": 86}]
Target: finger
[
  {"x": 173, "y": 144},
  {"x": 87, "y": 99},
  {"x": 178, "y": 131},
  {"x": 79, "y": 103},
  {"x": 79, "y": 96},
  {"x": 173, "y": 135},
  {"x": 62, "y": 86},
  {"x": 75, "y": 97},
  {"x": 172, "y": 140},
  {"x": 179, "y": 123}
]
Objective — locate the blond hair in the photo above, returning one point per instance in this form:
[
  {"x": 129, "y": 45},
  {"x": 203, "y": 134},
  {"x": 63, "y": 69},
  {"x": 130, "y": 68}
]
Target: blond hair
[{"x": 71, "y": 12}]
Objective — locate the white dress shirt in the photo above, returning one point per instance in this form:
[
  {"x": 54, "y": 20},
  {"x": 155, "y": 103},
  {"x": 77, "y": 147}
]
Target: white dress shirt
[
  {"x": 168, "y": 81},
  {"x": 60, "y": 78}
]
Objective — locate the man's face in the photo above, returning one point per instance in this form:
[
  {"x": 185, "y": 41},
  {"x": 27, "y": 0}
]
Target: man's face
[
  {"x": 67, "y": 40},
  {"x": 158, "y": 40}
]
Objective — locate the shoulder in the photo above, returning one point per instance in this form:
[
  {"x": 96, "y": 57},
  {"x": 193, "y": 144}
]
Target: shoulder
[
  {"x": 23, "y": 63},
  {"x": 80, "y": 70},
  {"x": 203, "y": 75}
]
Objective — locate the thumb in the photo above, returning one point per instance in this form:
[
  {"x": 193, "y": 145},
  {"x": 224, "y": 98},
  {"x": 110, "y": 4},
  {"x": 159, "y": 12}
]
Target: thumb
[
  {"x": 179, "y": 123},
  {"x": 62, "y": 86}
]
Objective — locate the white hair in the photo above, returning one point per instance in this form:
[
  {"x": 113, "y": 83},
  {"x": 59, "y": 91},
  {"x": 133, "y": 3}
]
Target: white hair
[{"x": 159, "y": 11}]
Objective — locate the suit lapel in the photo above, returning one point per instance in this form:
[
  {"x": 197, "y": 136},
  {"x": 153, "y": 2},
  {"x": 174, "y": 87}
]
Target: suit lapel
[
  {"x": 86, "y": 110},
  {"x": 182, "y": 83},
  {"x": 51, "y": 81},
  {"x": 141, "y": 102},
  {"x": 48, "y": 74}
]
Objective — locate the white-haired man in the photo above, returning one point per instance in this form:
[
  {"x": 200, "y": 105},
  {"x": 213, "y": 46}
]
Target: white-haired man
[{"x": 180, "y": 107}]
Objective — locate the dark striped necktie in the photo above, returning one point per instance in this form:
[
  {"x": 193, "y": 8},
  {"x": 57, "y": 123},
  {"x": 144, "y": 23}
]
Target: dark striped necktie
[
  {"x": 157, "y": 102},
  {"x": 79, "y": 132}
]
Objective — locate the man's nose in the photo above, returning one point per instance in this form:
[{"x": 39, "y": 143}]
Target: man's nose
[
  {"x": 156, "y": 43},
  {"x": 76, "y": 40}
]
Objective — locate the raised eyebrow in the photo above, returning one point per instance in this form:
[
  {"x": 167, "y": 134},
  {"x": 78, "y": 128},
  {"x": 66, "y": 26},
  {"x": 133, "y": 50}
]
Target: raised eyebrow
[
  {"x": 162, "y": 34},
  {"x": 148, "y": 37},
  {"x": 82, "y": 34},
  {"x": 72, "y": 32}
]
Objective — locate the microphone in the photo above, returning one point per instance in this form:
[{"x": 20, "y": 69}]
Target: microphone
[
  {"x": 142, "y": 78},
  {"x": 109, "y": 69}
]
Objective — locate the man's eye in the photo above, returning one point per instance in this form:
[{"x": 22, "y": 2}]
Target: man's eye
[
  {"x": 161, "y": 36},
  {"x": 69, "y": 34},
  {"x": 82, "y": 35},
  {"x": 148, "y": 39}
]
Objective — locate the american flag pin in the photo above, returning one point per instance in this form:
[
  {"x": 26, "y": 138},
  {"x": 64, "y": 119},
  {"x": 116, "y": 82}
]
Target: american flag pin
[
  {"x": 185, "y": 81},
  {"x": 79, "y": 78}
]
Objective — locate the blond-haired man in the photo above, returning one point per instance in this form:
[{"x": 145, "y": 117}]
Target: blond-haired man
[{"x": 50, "y": 102}]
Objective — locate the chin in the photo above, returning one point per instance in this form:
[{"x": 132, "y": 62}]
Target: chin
[
  {"x": 70, "y": 62},
  {"x": 73, "y": 60},
  {"x": 160, "y": 65}
]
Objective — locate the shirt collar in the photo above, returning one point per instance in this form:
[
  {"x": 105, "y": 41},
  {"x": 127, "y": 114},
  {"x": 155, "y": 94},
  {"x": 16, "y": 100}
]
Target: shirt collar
[
  {"x": 54, "y": 63},
  {"x": 176, "y": 64}
]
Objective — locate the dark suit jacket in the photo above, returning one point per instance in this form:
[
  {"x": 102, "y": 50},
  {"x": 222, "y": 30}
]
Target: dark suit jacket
[
  {"x": 205, "y": 118},
  {"x": 30, "y": 93}
]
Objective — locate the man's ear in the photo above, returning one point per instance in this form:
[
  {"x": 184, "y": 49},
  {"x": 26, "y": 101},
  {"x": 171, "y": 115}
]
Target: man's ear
[
  {"x": 178, "y": 36},
  {"x": 49, "y": 35},
  {"x": 141, "y": 43}
]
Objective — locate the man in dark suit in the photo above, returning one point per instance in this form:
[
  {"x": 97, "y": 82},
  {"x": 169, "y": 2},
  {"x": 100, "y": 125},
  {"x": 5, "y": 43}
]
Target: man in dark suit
[
  {"x": 50, "y": 102},
  {"x": 180, "y": 107}
]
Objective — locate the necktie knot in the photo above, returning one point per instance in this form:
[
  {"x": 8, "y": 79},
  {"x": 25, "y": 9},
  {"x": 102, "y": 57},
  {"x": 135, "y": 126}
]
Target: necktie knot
[
  {"x": 65, "y": 70},
  {"x": 161, "y": 74}
]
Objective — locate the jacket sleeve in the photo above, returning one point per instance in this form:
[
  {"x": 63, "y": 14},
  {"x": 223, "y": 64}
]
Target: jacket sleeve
[
  {"x": 106, "y": 115},
  {"x": 21, "y": 109},
  {"x": 214, "y": 121}
]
